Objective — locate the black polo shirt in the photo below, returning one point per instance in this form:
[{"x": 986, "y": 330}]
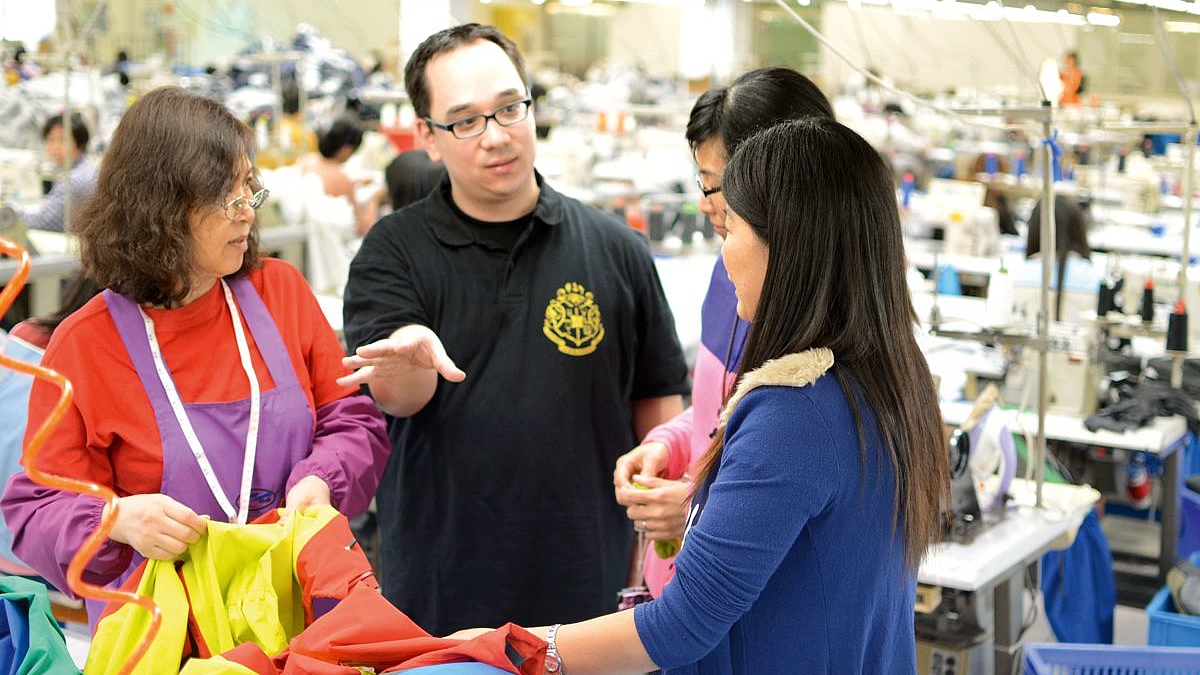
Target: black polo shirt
[{"x": 497, "y": 502}]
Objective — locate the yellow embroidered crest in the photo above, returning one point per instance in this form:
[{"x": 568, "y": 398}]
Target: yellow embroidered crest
[{"x": 573, "y": 320}]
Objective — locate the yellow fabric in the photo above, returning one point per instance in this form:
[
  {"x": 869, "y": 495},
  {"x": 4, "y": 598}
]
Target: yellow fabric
[
  {"x": 214, "y": 666},
  {"x": 243, "y": 588},
  {"x": 118, "y": 634}
]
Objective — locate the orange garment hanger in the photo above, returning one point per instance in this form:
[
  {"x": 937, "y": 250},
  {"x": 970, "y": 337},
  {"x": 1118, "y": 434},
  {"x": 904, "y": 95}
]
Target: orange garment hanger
[{"x": 29, "y": 461}]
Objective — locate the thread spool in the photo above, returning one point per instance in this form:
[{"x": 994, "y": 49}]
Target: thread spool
[
  {"x": 1137, "y": 481},
  {"x": 907, "y": 183},
  {"x": 1177, "y": 326},
  {"x": 999, "y": 299},
  {"x": 1146, "y": 309}
]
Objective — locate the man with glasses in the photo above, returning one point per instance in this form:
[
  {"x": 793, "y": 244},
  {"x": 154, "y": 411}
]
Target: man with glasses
[{"x": 548, "y": 323}]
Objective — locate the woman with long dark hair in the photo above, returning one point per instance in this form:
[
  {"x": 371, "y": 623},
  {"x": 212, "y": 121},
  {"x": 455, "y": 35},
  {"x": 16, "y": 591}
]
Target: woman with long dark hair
[{"x": 823, "y": 486}]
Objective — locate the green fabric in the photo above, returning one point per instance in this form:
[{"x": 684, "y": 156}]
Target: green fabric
[
  {"x": 47, "y": 653},
  {"x": 242, "y": 586},
  {"x": 1052, "y": 476}
]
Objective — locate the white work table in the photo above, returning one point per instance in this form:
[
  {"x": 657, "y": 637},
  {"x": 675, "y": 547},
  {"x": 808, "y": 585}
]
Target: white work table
[
  {"x": 1163, "y": 437},
  {"x": 57, "y": 262},
  {"x": 993, "y": 565},
  {"x": 46, "y": 275},
  {"x": 1160, "y": 437}
]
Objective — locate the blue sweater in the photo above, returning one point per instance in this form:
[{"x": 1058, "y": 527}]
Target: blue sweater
[{"x": 789, "y": 564}]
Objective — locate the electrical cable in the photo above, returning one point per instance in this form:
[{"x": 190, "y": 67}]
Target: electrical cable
[
  {"x": 222, "y": 20},
  {"x": 1021, "y": 51},
  {"x": 198, "y": 20},
  {"x": 987, "y": 25},
  {"x": 874, "y": 78},
  {"x": 862, "y": 40},
  {"x": 1183, "y": 90},
  {"x": 29, "y": 461}
]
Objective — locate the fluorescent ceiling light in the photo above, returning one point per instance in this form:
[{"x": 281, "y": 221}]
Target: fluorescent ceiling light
[{"x": 1103, "y": 19}]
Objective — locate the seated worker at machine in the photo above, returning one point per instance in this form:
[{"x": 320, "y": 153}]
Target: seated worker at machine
[
  {"x": 1073, "y": 263},
  {"x": 335, "y": 145},
  {"x": 64, "y": 153}
]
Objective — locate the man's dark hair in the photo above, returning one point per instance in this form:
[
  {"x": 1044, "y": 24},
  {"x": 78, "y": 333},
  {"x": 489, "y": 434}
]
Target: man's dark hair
[{"x": 446, "y": 41}]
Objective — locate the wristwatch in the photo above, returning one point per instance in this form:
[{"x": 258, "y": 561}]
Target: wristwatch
[{"x": 554, "y": 664}]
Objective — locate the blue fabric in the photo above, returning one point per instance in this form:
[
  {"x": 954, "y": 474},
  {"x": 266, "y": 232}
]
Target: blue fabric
[
  {"x": 948, "y": 282},
  {"x": 33, "y": 642},
  {"x": 14, "y": 405},
  {"x": 1190, "y": 462},
  {"x": 48, "y": 215},
  {"x": 791, "y": 565},
  {"x": 14, "y": 636},
  {"x": 1079, "y": 589},
  {"x": 719, "y": 315},
  {"x": 456, "y": 669},
  {"x": 1189, "y": 523}
]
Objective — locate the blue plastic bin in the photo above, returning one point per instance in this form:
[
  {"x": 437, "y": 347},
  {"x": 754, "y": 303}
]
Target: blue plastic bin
[
  {"x": 1169, "y": 628},
  {"x": 1064, "y": 659},
  {"x": 1189, "y": 525}
]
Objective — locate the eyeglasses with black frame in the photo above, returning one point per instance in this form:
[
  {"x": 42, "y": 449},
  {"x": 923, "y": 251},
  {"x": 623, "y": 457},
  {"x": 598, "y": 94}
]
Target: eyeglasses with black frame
[
  {"x": 253, "y": 201},
  {"x": 706, "y": 191},
  {"x": 470, "y": 127}
]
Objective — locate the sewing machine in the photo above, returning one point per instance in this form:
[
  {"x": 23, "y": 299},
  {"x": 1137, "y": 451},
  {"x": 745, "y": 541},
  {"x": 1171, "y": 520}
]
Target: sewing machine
[{"x": 1072, "y": 372}]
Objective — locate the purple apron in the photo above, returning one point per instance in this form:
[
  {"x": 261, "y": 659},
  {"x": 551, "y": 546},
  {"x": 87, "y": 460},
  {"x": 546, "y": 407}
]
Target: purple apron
[{"x": 285, "y": 433}]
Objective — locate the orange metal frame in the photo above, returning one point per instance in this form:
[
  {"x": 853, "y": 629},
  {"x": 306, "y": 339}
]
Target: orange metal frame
[{"x": 92, "y": 544}]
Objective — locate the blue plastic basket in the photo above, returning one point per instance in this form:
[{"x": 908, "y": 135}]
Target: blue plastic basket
[
  {"x": 1166, "y": 626},
  {"x": 1075, "y": 659}
]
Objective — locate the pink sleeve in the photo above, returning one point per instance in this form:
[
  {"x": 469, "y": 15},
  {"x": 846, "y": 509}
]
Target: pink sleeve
[{"x": 676, "y": 434}]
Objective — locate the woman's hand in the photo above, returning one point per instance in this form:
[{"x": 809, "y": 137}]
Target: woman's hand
[
  {"x": 647, "y": 459},
  {"x": 308, "y": 491},
  {"x": 659, "y": 508},
  {"x": 156, "y": 526}
]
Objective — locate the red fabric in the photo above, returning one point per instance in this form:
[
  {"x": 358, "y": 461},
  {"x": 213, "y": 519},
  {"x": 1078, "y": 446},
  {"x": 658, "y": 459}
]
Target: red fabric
[
  {"x": 363, "y": 628},
  {"x": 330, "y": 565},
  {"x": 327, "y": 567},
  {"x": 109, "y": 434},
  {"x": 253, "y": 657},
  {"x": 32, "y": 332},
  {"x": 389, "y": 642}
]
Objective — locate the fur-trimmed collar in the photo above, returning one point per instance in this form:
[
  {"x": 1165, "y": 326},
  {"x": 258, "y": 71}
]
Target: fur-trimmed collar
[{"x": 793, "y": 370}]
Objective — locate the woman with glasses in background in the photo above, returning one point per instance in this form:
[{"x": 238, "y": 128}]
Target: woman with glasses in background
[
  {"x": 720, "y": 120},
  {"x": 204, "y": 376}
]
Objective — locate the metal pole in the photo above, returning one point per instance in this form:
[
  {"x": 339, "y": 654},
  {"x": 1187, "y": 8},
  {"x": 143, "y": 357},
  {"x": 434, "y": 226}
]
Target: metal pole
[
  {"x": 68, "y": 143},
  {"x": 1189, "y": 145},
  {"x": 1043, "y": 320}
]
